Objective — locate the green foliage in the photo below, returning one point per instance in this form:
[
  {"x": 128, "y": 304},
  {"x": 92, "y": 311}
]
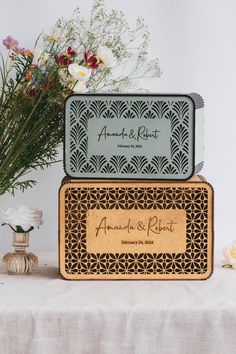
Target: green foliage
[{"x": 30, "y": 126}]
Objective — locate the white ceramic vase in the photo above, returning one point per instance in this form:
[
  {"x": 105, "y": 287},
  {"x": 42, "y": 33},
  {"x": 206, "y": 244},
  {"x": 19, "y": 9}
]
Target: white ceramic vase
[{"x": 20, "y": 261}]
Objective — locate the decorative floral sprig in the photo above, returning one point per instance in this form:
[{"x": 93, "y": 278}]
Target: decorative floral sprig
[
  {"x": 10, "y": 43},
  {"x": 230, "y": 256},
  {"x": 76, "y": 55},
  {"x": 22, "y": 218}
]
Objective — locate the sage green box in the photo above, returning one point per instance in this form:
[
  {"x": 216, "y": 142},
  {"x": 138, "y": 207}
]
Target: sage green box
[{"x": 138, "y": 136}]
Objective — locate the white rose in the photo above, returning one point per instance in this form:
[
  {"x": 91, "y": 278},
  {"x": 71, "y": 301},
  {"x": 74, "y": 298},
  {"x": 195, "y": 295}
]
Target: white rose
[
  {"x": 230, "y": 255},
  {"x": 105, "y": 56},
  {"x": 79, "y": 72},
  {"x": 23, "y": 216},
  {"x": 80, "y": 87}
]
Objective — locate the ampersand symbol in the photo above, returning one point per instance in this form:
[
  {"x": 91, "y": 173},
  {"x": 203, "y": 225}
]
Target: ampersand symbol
[
  {"x": 132, "y": 135},
  {"x": 141, "y": 226}
]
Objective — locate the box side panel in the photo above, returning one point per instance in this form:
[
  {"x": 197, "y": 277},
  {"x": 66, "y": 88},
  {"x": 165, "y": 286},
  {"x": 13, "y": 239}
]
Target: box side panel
[
  {"x": 61, "y": 229},
  {"x": 199, "y": 139}
]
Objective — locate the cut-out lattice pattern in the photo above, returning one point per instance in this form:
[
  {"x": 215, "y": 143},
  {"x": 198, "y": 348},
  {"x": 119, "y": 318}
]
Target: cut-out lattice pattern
[
  {"x": 177, "y": 112},
  {"x": 194, "y": 200}
]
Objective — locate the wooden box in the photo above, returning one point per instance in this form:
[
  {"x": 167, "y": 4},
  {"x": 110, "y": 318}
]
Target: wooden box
[
  {"x": 133, "y": 136},
  {"x": 136, "y": 230}
]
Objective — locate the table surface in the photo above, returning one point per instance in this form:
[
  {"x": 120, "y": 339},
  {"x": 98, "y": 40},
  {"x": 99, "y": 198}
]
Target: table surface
[{"x": 42, "y": 313}]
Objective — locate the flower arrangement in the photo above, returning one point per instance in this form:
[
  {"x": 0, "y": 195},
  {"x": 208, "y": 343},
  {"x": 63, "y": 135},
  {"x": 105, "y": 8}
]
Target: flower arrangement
[
  {"x": 22, "y": 218},
  {"x": 100, "y": 54}
]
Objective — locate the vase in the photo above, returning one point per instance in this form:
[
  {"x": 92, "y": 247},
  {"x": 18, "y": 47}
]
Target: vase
[{"x": 20, "y": 261}]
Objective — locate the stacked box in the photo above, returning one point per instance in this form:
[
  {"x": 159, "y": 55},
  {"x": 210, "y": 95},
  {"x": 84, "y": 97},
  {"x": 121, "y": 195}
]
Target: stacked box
[{"x": 132, "y": 206}]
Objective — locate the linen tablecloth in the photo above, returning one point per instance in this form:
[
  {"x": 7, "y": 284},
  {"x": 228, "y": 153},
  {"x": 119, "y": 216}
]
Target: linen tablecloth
[{"x": 41, "y": 313}]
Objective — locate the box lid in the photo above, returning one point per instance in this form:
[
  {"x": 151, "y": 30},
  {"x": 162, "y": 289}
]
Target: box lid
[{"x": 143, "y": 136}]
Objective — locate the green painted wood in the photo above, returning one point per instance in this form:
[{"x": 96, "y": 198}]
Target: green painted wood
[{"x": 133, "y": 136}]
